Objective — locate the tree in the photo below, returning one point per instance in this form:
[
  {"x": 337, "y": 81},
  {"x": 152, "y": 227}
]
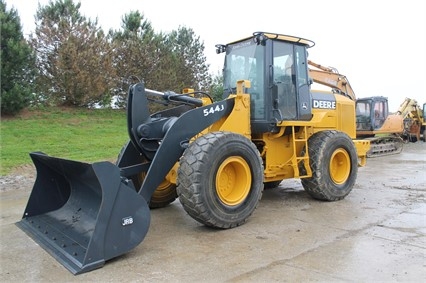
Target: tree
[
  {"x": 191, "y": 68},
  {"x": 216, "y": 87},
  {"x": 163, "y": 61},
  {"x": 17, "y": 63},
  {"x": 136, "y": 52},
  {"x": 73, "y": 55}
]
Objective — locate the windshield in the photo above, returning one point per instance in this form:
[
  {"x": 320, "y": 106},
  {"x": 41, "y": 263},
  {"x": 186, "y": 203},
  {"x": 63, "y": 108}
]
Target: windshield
[
  {"x": 244, "y": 61},
  {"x": 424, "y": 112},
  {"x": 363, "y": 111},
  {"x": 362, "y": 108}
]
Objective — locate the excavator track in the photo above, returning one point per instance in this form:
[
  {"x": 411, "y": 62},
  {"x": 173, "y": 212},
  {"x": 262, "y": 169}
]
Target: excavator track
[{"x": 385, "y": 145}]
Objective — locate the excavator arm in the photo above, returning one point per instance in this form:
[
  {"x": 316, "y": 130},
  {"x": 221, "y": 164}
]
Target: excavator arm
[
  {"x": 412, "y": 115},
  {"x": 330, "y": 77},
  {"x": 410, "y": 109}
]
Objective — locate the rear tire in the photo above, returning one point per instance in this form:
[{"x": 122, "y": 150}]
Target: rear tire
[
  {"x": 334, "y": 163},
  {"x": 220, "y": 179}
]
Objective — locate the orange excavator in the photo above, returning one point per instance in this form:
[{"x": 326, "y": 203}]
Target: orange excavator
[{"x": 373, "y": 120}]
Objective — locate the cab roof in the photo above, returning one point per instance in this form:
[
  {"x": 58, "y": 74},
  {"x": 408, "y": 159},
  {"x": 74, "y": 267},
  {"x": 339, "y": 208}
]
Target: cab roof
[{"x": 281, "y": 37}]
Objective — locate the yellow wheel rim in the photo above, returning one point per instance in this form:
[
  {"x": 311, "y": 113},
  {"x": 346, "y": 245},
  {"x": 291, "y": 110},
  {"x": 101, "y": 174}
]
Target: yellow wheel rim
[
  {"x": 340, "y": 166},
  {"x": 164, "y": 186},
  {"x": 233, "y": 180}
]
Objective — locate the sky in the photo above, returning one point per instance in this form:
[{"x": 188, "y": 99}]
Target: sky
[{"x": 378, "y": 45}]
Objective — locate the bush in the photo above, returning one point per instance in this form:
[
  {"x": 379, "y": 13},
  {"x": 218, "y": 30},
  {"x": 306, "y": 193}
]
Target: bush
[{"x": 14, "y": 100}]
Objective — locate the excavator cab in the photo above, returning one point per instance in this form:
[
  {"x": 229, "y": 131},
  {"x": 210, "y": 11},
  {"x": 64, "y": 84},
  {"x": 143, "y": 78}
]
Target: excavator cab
[
  {"x": 278, "y": 74},
  {"x": 371, "y": 113},
  {"x": 376, "y": 124}
]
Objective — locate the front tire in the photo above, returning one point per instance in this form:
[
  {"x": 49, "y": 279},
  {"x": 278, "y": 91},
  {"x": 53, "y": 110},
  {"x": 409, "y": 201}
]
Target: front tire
[
  {"x": 220, "y": 179},
  {"x": 334, "y": 163},
  {"x": 164, "y": 195},
  {"x": 165, "y": 192}
]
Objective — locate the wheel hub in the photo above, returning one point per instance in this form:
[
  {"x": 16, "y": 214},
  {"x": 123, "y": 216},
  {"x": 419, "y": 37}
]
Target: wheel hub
[
  {"x": 340, "y": 166},
  {"x": 233, "y": 180}
]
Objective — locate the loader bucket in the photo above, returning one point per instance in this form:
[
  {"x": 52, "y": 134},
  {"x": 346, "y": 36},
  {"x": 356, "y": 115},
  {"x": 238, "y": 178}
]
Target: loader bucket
[{"x": 83, "y": 214}]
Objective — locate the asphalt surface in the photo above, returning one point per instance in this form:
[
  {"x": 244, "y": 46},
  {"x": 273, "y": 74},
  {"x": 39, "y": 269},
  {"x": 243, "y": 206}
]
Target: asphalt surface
[{"x": 376, "y": 234}]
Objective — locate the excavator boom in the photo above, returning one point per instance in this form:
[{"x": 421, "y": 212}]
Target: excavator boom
[{"x": 330, "y": 77}]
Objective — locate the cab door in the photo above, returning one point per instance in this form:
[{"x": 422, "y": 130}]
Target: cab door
[{"x": 291, "y": 93}]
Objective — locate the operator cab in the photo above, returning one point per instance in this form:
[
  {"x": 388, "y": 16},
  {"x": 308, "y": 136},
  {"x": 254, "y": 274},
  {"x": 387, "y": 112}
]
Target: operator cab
[
  {"x": 276, "y": 65},
  {"x": 371, "y": 113}
]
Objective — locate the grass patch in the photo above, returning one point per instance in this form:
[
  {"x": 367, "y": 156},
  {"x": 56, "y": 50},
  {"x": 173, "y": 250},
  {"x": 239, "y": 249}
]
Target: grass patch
[{"x": 86, "y": 135}]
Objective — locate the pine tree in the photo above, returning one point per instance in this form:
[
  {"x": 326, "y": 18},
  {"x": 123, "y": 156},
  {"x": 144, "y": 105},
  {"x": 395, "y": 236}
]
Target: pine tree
[{"x": 17, "y": 63}]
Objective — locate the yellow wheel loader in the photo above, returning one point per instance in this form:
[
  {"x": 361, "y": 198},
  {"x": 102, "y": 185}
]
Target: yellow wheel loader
[{"x": 216, "y": 157}]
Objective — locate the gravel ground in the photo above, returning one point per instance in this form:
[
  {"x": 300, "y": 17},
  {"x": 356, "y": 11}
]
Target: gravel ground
[
  {"x": 22, "y": 177},
  {"x": 376, "y": 234}
]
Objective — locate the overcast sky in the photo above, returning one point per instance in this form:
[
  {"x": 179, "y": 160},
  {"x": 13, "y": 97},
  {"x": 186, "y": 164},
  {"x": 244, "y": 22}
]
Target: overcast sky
[{"x": 379, "y": 45}]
